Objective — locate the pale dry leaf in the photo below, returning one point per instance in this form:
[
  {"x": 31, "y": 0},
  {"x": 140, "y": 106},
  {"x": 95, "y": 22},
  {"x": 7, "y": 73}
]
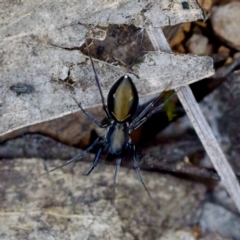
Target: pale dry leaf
[{"x": 40, "y": 49}]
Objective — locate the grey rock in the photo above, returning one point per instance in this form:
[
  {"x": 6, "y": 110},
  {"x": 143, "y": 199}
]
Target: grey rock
[{"x": 215, "y": 218}]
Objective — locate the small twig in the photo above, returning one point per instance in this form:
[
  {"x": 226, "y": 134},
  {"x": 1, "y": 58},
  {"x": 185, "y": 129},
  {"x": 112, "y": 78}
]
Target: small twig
[{"x": 201, "y": 127}]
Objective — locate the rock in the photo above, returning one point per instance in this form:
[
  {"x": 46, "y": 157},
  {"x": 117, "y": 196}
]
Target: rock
[
  {"x": 236, "y": 55},
  {"x": 206, "y": 4},
  {"x": 198, "y": 44},
  {"x": 229, "y": 60},
  {"x": 225, "y": 22},
  {"x": 224, "y": 50},
  {"x": 178, "y": 235},
  {"x": 215, "y": 218},
  {"x": 212, "y": 236},
  {"x": 73, "y": 206}
]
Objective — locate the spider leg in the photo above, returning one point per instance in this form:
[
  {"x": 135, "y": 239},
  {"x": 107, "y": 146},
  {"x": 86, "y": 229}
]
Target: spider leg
[
  {"x": 135, "y": 124},
  {"x": 118, "y": 162},
  {"x": 78, "y": 157},
  {"x": 99, "y": 88},
  {"x": 90, "y": 116},
  {"x": 142, "y": 31},
  {"x": 136, "y": 166},
  {"x": 146, "y": 109},
  {"x": 96, "y": 159}
]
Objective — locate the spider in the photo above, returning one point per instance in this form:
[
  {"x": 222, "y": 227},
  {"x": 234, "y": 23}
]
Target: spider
[{"x": 122, "y": 104}]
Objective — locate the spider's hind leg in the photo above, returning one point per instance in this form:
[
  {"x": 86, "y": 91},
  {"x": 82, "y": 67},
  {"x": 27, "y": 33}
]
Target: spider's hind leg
[
  {"x": 136, "y": 166},
  {"x": 96, "y": 160},
  {"x": 79, "y": 156},
  {"x": 97, "y": 156},
  {"x": 118, "y": 162}
]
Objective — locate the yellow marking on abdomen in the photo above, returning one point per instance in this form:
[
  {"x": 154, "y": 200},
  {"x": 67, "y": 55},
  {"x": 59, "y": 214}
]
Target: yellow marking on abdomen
[{"x": 123, "y": 100}]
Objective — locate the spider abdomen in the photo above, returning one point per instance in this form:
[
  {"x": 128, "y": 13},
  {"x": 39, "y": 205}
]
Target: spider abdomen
[{"x": 122, "y": 99}]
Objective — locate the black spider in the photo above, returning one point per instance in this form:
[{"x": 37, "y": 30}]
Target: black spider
[{"x": 122, "y": 103}]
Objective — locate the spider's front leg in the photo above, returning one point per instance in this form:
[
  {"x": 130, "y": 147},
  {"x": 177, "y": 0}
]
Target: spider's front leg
[
  {"x": 90, "y": 116},
  {"x": 99, "y": 88},
  {"x": 147, "y": 112}
]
